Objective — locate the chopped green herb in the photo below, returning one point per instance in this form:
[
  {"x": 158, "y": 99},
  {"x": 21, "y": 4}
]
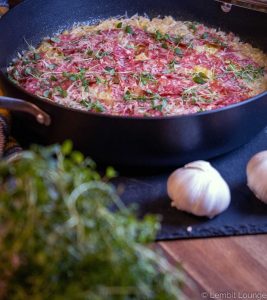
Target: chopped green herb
[
  {"x": 172, "y": 64},
  {"x": 119, "y": 25},
  {"x": 148, "y": 97},
  {"x": 232, "y": 68},
  {"x": 129, "y": 46},
  {"x": 205, "y": 35},
  {"x": 190, "y": 44},
  {"x": 12, "y": 79},
  {"x": 36, "y": 56},
  {"x": 51, "y": 66},
  {"x": 161, "y": 37},
  {"x": 71, "y": 76},
  {"x": 164, "y": 45},
  {"x": 66, "y": 74},
  {"x": 145, "y": 78},
  {"x": 177, "y": 39},
  {"x": 200, "y": 78},
  {"x": 100, "y": 54},
  {"x": 16, "y": 73},
  {"x": 86, "y": 103},
  {"x": 217, "y": 41},
  {"x": 159, "y": 104},
  {"x": 68, "y": 58},
  {"x": 158, "y": 35},
  {"x": 63, "y": 93},
  {"x": 85, "y": 84},
  {"x": 110, "y": 70},
  {"x": 178, "y": 51},
  {"x": 95, "y": 106},
  {"x": 128, "y": 29},
  {"x": 98, "y": 80},
  {"x": 82, "y": 71},
  {"x": 55, "y": 39},
  {"x": 89, "y": 52},
  {"x": 193, "y": 95},
  {"x": 25, "y": 61},
  {"x": 192, "y": 26},
  {"x": 248, "y": 73},
  {"x": 153, "y": 95},
  {"x": 28, "y": 71},
  {"x": 44, "y": 83},
  {"x": 98, "y": 107},
  {"x": 166, "y": 36},
  {"x": 46, "y": 93},
  {"x": 53, "y": 78},
  {"x": 75, "y": 76},
  {"x": 127, "y": 96}
]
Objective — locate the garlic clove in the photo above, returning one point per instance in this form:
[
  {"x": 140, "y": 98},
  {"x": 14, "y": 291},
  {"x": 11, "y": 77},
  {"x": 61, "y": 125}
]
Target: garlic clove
[
  {"x": 199, "y": 189},
  {"x": 200, "y": 164},
  {"x": 257, "y": 174}
]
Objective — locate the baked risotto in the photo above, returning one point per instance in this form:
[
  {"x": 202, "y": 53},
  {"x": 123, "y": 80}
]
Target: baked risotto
[{"x": 141, "y": 67}]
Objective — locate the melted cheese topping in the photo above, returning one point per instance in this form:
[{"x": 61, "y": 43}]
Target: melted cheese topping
[{"x": 142, "y": 67}]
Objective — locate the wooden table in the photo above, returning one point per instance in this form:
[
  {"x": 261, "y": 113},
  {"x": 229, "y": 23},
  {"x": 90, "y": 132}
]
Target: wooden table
[
  {"x": 232, "y": 264},
  {"x": 221, "y": 265}
]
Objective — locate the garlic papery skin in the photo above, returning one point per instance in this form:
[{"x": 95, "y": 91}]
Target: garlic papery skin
[
  {"x": 257, "y": 175},
  {"x": 199, "y": 189}
]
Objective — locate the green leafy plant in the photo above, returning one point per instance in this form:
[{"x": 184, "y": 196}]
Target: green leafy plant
[{"x": 60, "y": 240}]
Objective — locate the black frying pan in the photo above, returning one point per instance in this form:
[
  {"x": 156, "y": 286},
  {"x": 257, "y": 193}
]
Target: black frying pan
[{"x": 165, "y": 141}]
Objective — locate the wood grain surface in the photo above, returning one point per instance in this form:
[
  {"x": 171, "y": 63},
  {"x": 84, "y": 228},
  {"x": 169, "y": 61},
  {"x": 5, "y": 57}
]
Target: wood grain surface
[{"x": 237, "y": 265}]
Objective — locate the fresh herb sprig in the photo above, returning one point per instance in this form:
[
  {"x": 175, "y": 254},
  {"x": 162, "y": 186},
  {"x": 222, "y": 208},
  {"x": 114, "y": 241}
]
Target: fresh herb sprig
[
  {"x": 92, "y": 105},
  {"x": 62, "y": 92},
  {"x": 248, "y": 73},
  {"x": 146, "y": 78},
  {"x": 59, "y": 240},
  {"x": 165, "y": 37},
  {"x": 213, "y": 39},
  {"x": 128, "y": 29},
  {"x": 193, "y": 95},
  {"x": 159, "y": 104},
  {"x": 148, "y": 96}
]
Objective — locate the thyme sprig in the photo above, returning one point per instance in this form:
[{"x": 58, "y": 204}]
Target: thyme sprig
[
  {"x": 248, "y": 73},
  {"x": 59, "y": 239}
]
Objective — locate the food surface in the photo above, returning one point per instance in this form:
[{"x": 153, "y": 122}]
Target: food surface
[{"x": 142, "y": 67}]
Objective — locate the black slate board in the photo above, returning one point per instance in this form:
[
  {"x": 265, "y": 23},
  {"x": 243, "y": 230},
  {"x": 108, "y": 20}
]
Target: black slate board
[{"x": 245, "y": 215}]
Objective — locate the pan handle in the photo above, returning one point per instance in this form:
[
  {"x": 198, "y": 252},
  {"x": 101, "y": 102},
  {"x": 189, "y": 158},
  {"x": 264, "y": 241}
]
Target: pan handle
[
  {"x": 259, "y": 5},
  {"x": 14, "y": 104}
]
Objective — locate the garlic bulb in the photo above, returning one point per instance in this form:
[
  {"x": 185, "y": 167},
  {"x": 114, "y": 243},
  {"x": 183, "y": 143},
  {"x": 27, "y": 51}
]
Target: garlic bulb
[
  {"x": 257, "y": 174},
  {"x": 199, "y": 189}
]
